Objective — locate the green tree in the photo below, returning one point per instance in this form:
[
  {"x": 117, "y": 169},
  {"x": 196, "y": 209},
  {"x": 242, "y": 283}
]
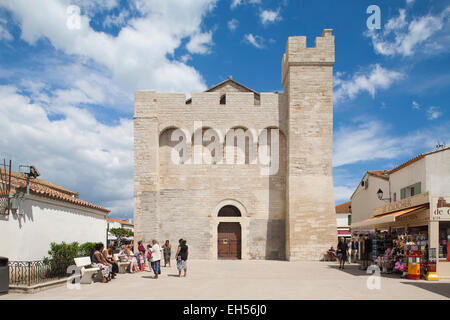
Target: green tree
[{"x": 121, "y": 232}]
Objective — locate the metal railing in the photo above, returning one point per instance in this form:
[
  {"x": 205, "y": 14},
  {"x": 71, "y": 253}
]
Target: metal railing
[{"x": 33, "y": 272}]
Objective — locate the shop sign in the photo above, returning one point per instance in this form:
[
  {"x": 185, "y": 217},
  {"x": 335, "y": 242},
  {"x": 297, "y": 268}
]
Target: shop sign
[
  {"x": 440, "y": 208},
  {"x": 402, "y": 204},
  {"x": 414, "y": 217}
]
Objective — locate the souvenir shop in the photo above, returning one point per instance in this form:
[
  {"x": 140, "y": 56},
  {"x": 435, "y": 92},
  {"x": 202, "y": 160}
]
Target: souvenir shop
[{"x": 411, "y": 242}]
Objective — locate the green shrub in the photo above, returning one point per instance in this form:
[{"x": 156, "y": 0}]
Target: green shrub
[
  {"x": 61, "y": 256},
  {"x": 85, "y": 249}
]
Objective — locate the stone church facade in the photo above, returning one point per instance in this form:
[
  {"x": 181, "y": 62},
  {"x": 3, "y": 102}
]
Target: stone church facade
[{"x": 234, "y": 211}]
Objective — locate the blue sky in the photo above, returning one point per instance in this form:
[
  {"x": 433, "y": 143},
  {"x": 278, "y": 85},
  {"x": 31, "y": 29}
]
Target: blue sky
[{"x": 66, "y": 88}]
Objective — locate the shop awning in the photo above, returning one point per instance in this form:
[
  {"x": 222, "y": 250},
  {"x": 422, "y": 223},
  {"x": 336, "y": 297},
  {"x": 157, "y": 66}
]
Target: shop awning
[
  {"x": 344, "y": 233},
  {"x": 386, "y": 218}
]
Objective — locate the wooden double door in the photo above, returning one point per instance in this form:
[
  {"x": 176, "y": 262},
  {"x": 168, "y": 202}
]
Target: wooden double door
[{"x": 229, "y": 240}]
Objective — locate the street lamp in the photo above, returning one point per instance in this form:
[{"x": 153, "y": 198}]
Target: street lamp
[{"x": 380, "y": 195}]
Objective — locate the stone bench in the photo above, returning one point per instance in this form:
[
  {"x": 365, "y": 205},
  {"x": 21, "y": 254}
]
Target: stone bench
[
  {"x": 86, "y": 273},
  {"x": 123, "y": 266}
]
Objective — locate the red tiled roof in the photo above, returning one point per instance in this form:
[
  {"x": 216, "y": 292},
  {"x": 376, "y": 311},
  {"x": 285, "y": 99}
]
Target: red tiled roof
[
  {"x": 417, "y": 158},
  {"x": 47, "y": 189},
  {"x": 344, "y": 207},
  {"x": 120, "y": 221}
]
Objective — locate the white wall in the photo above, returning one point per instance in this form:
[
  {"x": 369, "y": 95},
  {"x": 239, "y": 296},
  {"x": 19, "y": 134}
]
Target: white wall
[
  {"x": 408, "y": 176},
  {"x": 28, "y": 237},
  {"x": 114, "y": 225},
  {"x": 125, "y": 226},
  {"x": 342, "y": 219},
  {"x": 365, "y": 200},
  {"x": 438, "y": 173}
]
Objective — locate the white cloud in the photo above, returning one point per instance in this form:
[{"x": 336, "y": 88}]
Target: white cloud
[
  {"x": 117, "y": 20},
  {"x": 4, "y": 33},
  {"x": 45, "y": 113},
  {"x": 185, "y": 58},
  {"x": 401, "y": 37},
  {"x": 268, "y": 16},
  {"x": 235, "y": 3},
  {"x": 376, "y": 77},
  {"x": 139, "y": 56},
  {"x": 371, "y": 140},
  {"x": 77, "y": 151},
  {"x": 200, "y": 43},
  {"x": 433, "y": 113},
  {"x": 343, "y": 193},
  {"x": 256, "y": 41},
  {"x": 232, "y": 24},
  {"x": 91, "y": 7},
  {"x": 362, "y": 140}
]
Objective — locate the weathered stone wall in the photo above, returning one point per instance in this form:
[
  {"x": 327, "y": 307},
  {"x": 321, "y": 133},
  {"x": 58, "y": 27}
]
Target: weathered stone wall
[
  {"x": 286, "y": 215},
  {"x": 307, "y": 75},
  {"x": 182, "y": 201}
]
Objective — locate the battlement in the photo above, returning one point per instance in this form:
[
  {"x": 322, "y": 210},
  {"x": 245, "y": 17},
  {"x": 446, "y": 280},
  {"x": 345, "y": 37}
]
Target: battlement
[
  {"x": 150, "y": 103},
  {"x": 298, "y": 54}
]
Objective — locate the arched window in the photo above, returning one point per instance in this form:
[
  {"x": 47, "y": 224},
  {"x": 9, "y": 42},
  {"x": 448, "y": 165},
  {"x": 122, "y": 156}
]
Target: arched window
[
  {"x": 267, "y": 148},
  {"x": 209, "y": 139},
  {"x": 223, "y": 99},
  {"x": 240, "y": 143},
  {"x": 229, "y": 211},
  {"x": 165, "y": 148}
]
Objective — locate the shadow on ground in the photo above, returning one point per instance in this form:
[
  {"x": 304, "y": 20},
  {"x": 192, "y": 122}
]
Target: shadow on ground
[
  {"x": 439, "y": 288},
  {"x": 354, "y": 270}
]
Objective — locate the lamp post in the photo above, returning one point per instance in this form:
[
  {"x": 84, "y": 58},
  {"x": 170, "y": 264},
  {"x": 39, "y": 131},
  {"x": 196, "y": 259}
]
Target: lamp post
[{"x": 380, "y": 196}]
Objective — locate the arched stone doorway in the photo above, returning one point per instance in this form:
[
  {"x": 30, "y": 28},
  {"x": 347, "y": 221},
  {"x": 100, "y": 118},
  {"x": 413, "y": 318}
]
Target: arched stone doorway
[
  {"x": 226, "y": 212},
  {"x": 229, "y": 244},
  {"x": 229, "y": 234}
]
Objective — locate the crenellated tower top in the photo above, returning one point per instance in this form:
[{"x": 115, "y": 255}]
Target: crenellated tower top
[{"x": 297, "y": 54}]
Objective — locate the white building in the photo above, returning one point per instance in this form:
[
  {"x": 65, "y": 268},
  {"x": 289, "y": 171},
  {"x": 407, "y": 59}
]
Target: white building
[
  {"x": 364, "y": 199},
  {"x": 343, "y": 219},
  {"x": 118, "y": 223},
  {"x": 50, "y": 213},
  {"x": 415, "y": 199}
]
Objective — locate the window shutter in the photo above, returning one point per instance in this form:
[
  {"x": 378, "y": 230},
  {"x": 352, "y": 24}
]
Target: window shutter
[
  {"x": 349, "y": 220},
  {"x": 403, "y": 193},
  {"x": 418, "y": 188}
]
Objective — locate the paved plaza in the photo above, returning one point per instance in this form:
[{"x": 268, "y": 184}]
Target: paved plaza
[{"x": 254, "y": 279}]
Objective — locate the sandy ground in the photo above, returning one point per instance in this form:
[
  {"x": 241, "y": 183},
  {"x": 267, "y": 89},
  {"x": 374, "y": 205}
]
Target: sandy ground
[{"x": 225, "y": 280}]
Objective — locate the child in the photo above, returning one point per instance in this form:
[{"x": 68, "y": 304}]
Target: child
[{"x": 141, "y": 260}]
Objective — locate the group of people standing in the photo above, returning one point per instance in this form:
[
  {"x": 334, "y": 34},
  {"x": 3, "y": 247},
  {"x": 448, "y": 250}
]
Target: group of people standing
[
  {"x": 104, "y": 258},
  {"x": 154, "y": 252}
]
